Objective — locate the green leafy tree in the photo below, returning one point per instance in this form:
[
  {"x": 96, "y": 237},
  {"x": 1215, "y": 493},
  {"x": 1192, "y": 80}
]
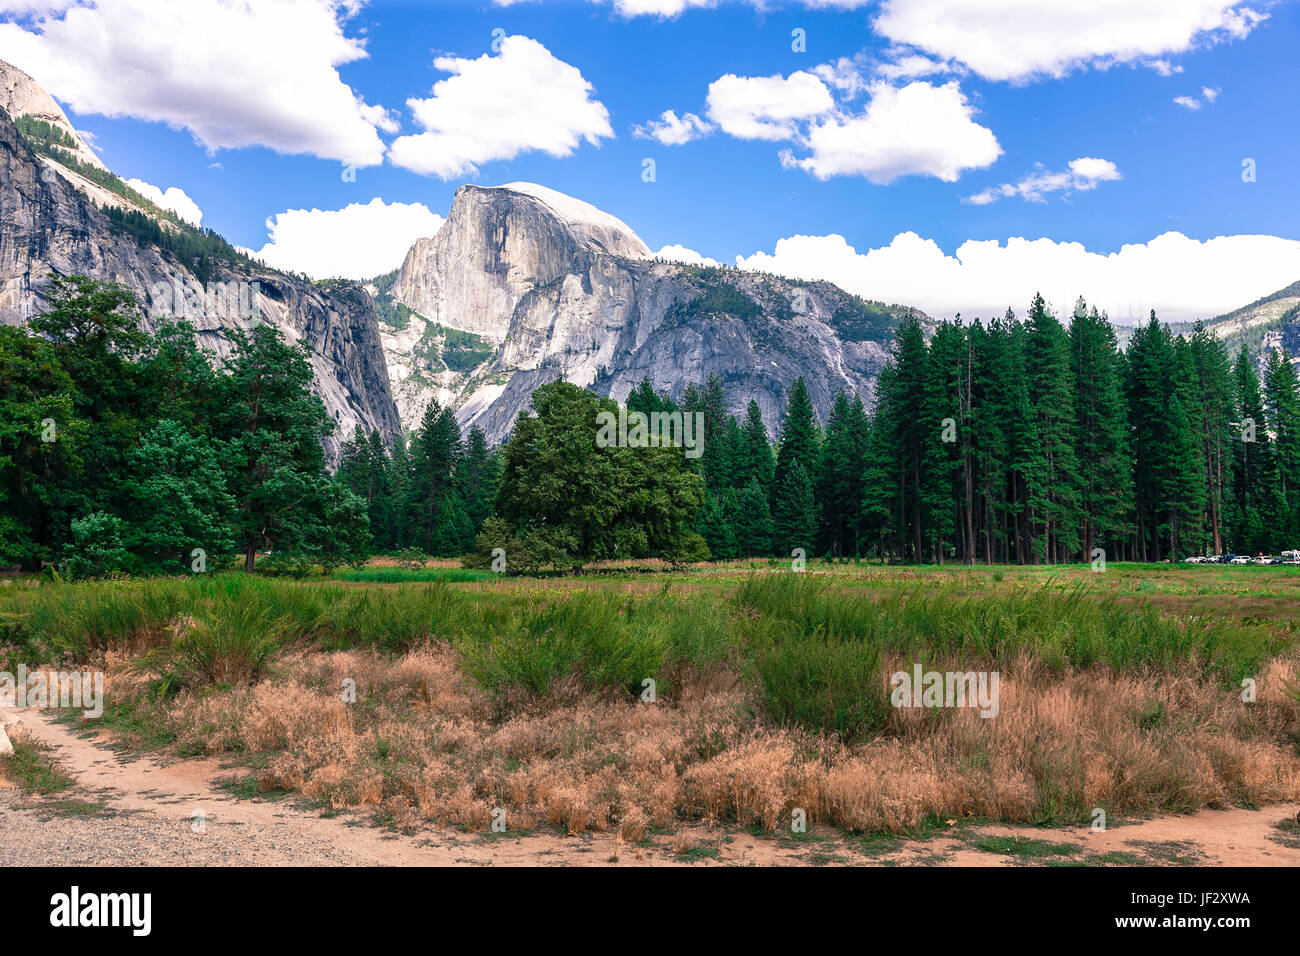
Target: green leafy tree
[
  {"x": 271, "y": 425},
  {"x": 179, "y": 501},
  {"x": 562, "y": 491}
]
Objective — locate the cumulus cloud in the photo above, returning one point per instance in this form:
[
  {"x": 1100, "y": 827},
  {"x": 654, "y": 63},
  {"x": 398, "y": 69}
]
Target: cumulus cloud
[
  {"x": 671, "y": 130},
  {"x": 1013, "y": 40},
  {"x": 356, "y": 242},
  {"x": 676, "y": 253},
  {"x": 1181, "y": 278},
  {"x": 496, "y": 107},
  {"x": 919, "y": 129},
  {"x": 1188, "y": 102},
  {"x": 766, "y": 107},
  {"x": 233, "y": 74},
  {"x": 1083, "y": 174},
  {"x": 172, "y": 198}
]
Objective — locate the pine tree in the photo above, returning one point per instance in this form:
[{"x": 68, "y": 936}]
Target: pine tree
[
  {"x": 799, "y": 438},
  {"x": 1054, "y": 494},
  {"x": 794, "y": 518},
  {"x": 944, "y": 417},
  {"x": 1165, "y": 464},
  {"x": 1255, "y": 478},
  {"x": 753, "y": 521},
  {"x": 754, "y": 462},
  {"x": 434, "y": 451},
  {"x": 1212, "y": 429},
  {"x": 476, "y": 478},
  {"x": 1282, "y": 397},
  {"x": 1101, "y": 432},
  {"x": 841, "y": 476}
]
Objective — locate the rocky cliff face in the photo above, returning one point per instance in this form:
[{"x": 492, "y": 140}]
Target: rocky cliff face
[
  {"x": 545, "y": 286},
  {"x": 1263, "y": 326},
  {"x": 48, "y": 225}
]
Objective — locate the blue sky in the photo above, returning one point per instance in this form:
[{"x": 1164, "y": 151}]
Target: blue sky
[{"x": 984, "y": 100}]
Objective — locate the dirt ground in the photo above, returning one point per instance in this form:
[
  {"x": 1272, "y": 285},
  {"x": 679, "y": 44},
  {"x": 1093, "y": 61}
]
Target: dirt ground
[{"x": 131, "y": 810}]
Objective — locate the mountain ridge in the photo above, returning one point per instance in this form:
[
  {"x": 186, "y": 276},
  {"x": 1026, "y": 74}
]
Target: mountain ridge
[
  {"x": 554, "y": 287},
  {"x": 52, "y": 226}
]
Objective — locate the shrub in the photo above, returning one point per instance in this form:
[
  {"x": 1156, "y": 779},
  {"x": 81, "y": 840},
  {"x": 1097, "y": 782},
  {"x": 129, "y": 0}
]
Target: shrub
[{"x": 96, "y": 547}]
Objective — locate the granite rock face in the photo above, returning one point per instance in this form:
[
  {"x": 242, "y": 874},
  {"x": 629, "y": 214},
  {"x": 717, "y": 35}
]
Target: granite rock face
[
  {"x": 555, "y": 288},
  {"x": 48, "y": 225}
]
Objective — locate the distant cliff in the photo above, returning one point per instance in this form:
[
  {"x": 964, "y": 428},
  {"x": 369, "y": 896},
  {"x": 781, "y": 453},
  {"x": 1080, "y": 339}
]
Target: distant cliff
[
  {"x": 48, "y": 225},
  {"x": 530, "y": 285}
]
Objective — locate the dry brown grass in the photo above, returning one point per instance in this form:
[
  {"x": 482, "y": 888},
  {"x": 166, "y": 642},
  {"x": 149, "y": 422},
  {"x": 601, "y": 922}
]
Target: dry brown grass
[{"x": 424, "y": 743}]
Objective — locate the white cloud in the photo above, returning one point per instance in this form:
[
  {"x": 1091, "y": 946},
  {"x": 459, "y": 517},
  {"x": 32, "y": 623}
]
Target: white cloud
[
  {"x": 1084, "y": 174},
  {"x": 172, "y": 198},
  {"x": 672, "y": 8},
  {"x": 496, "y": 107},
  {"x": 356, "y": 242},
  {"x": 671, "y": 130},
  {"x": 909, "y": 66},
  {"x": 1181, "y": 278},
  {"x": 846, "y": 75},
  {"x": 920, "y": 129},
  {"x": 1210, "y": 94},
  {"x": 766, "y": 107},
  {"x": 676, "y": 253},
  {"x": 234, "y": 74},
  {"x": 1018, "y": 40}
]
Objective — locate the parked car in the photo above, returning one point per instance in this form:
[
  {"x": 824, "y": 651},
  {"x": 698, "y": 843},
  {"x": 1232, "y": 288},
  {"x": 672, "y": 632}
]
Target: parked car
[{"x": 1241, "y": 559}]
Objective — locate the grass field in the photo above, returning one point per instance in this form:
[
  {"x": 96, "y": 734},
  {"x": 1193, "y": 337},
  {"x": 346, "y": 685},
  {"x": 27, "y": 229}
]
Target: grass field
[{"x": 441, "y": 694}]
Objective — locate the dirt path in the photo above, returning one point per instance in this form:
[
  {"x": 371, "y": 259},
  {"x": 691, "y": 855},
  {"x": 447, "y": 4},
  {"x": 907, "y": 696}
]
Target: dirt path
[{"x": 130, "y": 810}]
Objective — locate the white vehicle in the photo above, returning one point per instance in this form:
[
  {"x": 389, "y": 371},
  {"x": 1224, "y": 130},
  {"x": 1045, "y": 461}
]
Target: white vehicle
[
  {"x": 1242, "y": 559},
  {"x": 1264, "y": 559}
]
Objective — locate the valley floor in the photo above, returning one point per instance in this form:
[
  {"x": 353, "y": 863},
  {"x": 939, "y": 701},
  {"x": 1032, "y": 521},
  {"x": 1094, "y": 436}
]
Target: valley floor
[{"x": 141, "y": 810}]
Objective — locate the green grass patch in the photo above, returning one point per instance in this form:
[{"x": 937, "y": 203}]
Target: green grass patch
[
  {"x": 1023, "y": 847},
  {"x": 34, "y": 770}
]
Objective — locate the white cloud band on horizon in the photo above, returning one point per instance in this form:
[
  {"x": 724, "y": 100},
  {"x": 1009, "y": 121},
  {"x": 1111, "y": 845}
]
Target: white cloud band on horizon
[
  {"x": 1182, "y": 279},
  {"x": 359, "y": 241}
]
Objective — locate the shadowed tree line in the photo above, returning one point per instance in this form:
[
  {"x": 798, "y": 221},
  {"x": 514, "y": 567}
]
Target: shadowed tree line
[{"x": 1011, "y": 441}]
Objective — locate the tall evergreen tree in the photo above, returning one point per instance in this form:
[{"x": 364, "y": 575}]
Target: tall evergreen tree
[
  {"x": 1101, "y": 432},
  {"x": 841, "y": 477},
  {"x": 754, "y": 462},
  {"x": 799, "y": 438}
]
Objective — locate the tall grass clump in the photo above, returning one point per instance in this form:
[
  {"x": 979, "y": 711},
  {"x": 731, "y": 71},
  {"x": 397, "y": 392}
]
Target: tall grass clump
[
  {"x": 226, "y": 643},
  {"x": 601, "y": 641},
  {"x": 825, "y": 684},
  {"x": 75, "y": 618},
  {"x": 394, "y": 620}
]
